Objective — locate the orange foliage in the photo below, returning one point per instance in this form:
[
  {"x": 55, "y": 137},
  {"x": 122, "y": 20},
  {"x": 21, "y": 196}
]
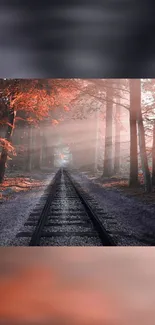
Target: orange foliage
[
  {"x": 36, "y": 98},
  {"x": 35, "y": 102},
  {"x": 55, "y": 122},
  {"x": 7, "y": 145},
  {"x": 18, "y": 184},
  {"x": 64, "y": 92},
  {"x": 66, "y": 109},
  {"x": 38, "y": 101}
]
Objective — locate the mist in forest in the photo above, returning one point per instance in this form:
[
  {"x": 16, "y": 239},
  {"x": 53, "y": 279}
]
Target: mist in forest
[
  {"x": 80, "y": 136},
  {"x": 80, "y": 123}
]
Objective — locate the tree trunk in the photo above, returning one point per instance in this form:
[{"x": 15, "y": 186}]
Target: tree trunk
[
  {"x": 41, "y": 149},
  {"x": 108, "y": 168},
  {"x": 37, "y": 148},
  {"x": 141, "y": 133},
  {"x": 117, "y": 140},
  {"x": 8, "y": 137},
  {"x": 153, "y": 156},
  {"x": 133, "y": 181},
  {"x": 52, "y": 157},
  {"x": 45, "y": 154},
  {"x": 96, "y": 141},
  {"x": 29, "y": 152},
  {"x": 144, "y": 160}
]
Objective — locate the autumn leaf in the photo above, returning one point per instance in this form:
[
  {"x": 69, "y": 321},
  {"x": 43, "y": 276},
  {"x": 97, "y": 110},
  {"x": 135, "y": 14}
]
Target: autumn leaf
[
  {"x": 17, "y": 118},
  {"x": 55, "y": 122},
  {"x": 66, "y": 109},
  {"x": 7, "y": 145}
]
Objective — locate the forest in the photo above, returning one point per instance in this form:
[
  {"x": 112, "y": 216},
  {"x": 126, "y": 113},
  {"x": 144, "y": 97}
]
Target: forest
[
  {"x": 99, "y": 132},
  {"x": 29, "y": 104}
]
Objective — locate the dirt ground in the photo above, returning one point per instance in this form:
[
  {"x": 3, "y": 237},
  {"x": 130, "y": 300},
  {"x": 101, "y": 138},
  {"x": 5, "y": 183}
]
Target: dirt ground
[{"x": 17, "y": 182}]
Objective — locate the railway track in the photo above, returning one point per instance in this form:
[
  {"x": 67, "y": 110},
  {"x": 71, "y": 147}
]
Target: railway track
[{"x": 64, "y": 217}]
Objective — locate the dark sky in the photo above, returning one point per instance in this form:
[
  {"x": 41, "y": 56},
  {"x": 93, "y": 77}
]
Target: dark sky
[{"x": 102, "y": 38}]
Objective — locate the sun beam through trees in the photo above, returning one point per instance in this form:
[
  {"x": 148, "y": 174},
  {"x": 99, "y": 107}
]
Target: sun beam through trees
[{"x": 30, "y": 103}]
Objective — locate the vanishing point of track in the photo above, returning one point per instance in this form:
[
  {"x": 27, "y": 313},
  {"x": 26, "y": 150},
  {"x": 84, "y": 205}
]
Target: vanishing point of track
[{"x": 65, "y": 217}]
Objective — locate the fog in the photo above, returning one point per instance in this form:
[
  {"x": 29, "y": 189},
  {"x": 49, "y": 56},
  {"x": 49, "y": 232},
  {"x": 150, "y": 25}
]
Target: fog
[{"x": 79, "y": 135}]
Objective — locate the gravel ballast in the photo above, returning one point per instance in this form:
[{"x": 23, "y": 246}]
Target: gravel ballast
[
  {"x": 130, "y": 222},
  {"x": 70, "y": 241},
  {"x": 15, "y": 211}
]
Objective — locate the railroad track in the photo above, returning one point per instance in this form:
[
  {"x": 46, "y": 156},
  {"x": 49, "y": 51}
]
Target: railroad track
[{"x": 64, "y": 217}]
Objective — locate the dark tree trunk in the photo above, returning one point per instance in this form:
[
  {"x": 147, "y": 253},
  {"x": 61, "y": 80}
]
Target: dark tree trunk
[
  {"x": 96, "y": 141},
  {"x": 133, "y": 181},
  {"x": 142, "y": 145},
  {"x": 37, "y": 148},
  {"x": 29, "y": 151},
  {"x": 45, "y": 154},
  {"x": 144, "y": 160},
  {"x": 153, "y": 156},
  {"x": 117, "y": 140},
  {"x": 108, "y": 167},
  {"x": 41, "y": 149},
  {"x": 8, "y": 137}
]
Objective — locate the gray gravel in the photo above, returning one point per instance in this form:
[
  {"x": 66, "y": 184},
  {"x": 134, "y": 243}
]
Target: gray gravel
[
  {"x": 71, "y": 234},
  {"x": 131, "y": 223},
  {"x": 21, "y": 241},
  {"x": 15, "y": 212},
  {"x": 70, "y": 241},
  {"x": 64, "y": 222},
  {"x": 127, "y": 220},
  {"x": 69, "y": 228}
]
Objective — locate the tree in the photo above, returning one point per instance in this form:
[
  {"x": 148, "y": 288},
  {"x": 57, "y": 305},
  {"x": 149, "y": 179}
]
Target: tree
[
  {"x": 96, "y": 142},
  {"x": 28, "y": 166},
  {"x": 117, "y": 141},
  {"x": 97, "y": 89},
  {"x": 148, "y": 115},
  {"x": 142, "y": 146},
  {"x": 11, "y": 114},
  {"x": 117, "y": 131},
  {"x": 93, "y": 94},
  {"x": 133, "y": 181},
  {"x": 153, "y": 155},
  {"x": 15, "y": 94},
  {"x": 4, "y": 153},
  {"x": 108, "y": 166},
  {"x": 34, "y": 98}
]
